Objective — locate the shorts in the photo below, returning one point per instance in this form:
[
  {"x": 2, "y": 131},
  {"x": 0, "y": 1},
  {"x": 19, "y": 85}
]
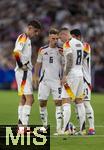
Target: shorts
[
  {"x": 49, "y": 86},
  {"x": 24, "y": 82},
  {"x": 75, "y": 88},
  {"x": 87, "y": 92}
]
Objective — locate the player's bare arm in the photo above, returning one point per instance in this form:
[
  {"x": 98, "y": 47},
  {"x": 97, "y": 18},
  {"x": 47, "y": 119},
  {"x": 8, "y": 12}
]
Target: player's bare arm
[
  {"x": 69, "y": 60},
  {"x": 36, "y": 73},
  {"x": 17, "y": 55}
]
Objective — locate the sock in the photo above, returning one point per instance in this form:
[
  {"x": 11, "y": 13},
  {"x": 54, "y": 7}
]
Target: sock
[
  {"x": 20, "y": 108},
  {"x": 26, "y": 114},
  {"x": 43, "y": 115},
  {"x": 81, "y": 114},
  {"x": 89, "y": 113},
  {"x": 66, "y": 114},
  {"x": 58, "y": 118}
]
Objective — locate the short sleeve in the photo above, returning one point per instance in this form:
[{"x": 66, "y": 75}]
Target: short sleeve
[
  {"x": 67, "y": 48},
  {"x": 86, "y": 49},
  {"x": 40, "y": 56},
  {"x": 21, "y": 40}
]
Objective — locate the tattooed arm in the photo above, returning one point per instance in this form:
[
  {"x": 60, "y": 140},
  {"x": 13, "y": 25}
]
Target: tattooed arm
[{"x": 69, "y": 62}]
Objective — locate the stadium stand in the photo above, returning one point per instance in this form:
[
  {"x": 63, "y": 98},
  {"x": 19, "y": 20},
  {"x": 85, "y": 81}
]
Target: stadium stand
[{"x": 83, "y": 14}]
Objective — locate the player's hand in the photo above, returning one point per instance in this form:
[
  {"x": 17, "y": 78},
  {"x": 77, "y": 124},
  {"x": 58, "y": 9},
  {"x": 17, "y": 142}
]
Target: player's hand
[
  {"x": 64, "y": 80},
  {"x": 24, "y": 68},
  {"x": 35, "y": 81}
]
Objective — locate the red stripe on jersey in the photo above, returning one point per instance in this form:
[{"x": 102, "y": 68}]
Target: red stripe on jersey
[
  {"x": 17, "y": 55},
  {"x": 23, "y": 83}
]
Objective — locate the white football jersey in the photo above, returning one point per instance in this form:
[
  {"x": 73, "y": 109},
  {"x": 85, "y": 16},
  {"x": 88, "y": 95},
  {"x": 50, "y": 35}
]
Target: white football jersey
[
  {"x": 51, "y": 60},
  {"x": 75, "y": 47},
  {"x": 23, "y": 48},
  {"x": 87, "y": 63}
]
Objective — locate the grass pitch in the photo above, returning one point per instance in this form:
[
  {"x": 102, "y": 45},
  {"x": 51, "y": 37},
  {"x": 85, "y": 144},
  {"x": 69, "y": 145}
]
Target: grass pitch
[{"x": 8, "y": 115}]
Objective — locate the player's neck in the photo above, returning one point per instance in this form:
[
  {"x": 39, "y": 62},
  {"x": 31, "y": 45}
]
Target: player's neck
[
  {"x": 28, "y": 35},
  {"x": 52, "y": 46}
]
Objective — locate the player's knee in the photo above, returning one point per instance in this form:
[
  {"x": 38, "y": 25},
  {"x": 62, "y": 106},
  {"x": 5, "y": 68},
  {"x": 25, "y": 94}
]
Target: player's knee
[
  {"x": 78, "y": 100},
  {"x": 65, "y": 100},
  {"x": 29, "y": 99},
  {"x": 43, "y": 103},
  {"x": 33, "y": 100},
  {"x": 58, "y": 102},
  {"x": 22, "y": 100}
]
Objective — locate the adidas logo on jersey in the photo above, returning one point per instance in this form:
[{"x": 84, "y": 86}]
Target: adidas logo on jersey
[{"x": 46, "y": 53}]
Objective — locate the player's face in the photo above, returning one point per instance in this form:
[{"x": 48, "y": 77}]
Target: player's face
[
  {"x": 53, "y": 39},
  {"x": 33, "y": 31},
  {"x": 77, "y": 37},
  {"x": 64, "y": 36}
]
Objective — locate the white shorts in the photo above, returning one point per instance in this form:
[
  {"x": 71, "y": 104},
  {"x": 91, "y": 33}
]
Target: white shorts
[
  {"x": 24, "y": 82},
  {"x": 76, "y": 86},
  {"x": 47, "y": 87},
  {"x": 87, "y": 92}
]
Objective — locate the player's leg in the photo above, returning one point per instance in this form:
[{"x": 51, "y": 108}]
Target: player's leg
[
  {"x": 27, "y": 109},
  {"x": 28, "y": 93},
  {"x": 43, "y": 112},
  {"x": 56, "y": 92},
  {"x": 43, "y": 93},
  {"x": 58, "y": 104},
  {"x": 19, "y": 76},
  {"x": 81, "y": 113},
  {"x": 68, "y": 93},
  {"x": 89, "y": 109},
  {"x": 66, "y": 108},
  {"x": 80, "y": 105},
  {"x": 90, "y": 116},
  {"x": 20, "y": 109}
]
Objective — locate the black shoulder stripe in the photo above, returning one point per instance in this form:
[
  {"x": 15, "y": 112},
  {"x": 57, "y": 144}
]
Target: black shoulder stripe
[
  {"x": 59, "y": 47},
  {"x": 85, "y": 54},
  {"x": 46, "y": 46}
]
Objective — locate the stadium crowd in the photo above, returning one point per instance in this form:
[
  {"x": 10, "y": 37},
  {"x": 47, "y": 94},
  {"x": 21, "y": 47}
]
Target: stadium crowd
[{"x": 86, "y": 15}]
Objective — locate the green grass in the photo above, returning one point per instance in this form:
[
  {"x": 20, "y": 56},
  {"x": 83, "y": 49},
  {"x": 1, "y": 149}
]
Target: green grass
[{"x": 8, "y": 115}]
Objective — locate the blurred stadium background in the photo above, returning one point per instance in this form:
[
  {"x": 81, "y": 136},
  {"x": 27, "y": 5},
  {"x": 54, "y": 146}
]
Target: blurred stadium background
[{"x": 87, "y": 15}]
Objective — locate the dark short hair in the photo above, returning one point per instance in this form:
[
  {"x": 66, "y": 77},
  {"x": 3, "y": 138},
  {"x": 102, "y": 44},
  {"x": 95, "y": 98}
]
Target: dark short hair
[
  {"x": 53, "y": 31},
  {"x": 75, "y": 32},
  {"x": 35, "y": 24}
]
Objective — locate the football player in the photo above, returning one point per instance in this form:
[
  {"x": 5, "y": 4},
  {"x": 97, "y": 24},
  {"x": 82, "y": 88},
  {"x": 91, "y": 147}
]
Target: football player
[
  {"x": 23, "y": 71},
  {"x": 76, "y": 33},
  {"x": 73, "y": 85},
  {"x": 49, "y": 61}
]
